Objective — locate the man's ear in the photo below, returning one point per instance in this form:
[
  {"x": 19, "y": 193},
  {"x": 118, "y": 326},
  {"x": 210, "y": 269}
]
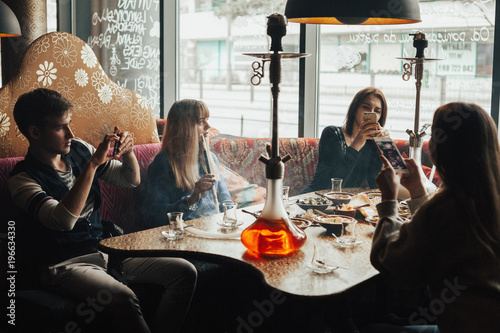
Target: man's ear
[{"x": 34, "y": 132}]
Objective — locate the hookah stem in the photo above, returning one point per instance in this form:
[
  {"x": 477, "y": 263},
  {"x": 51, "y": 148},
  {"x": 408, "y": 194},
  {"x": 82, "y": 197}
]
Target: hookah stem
[
  {"x": 275, "y": 78},
  {"x": 206, "y": 152},
  {"x": 419, "y": 69}
]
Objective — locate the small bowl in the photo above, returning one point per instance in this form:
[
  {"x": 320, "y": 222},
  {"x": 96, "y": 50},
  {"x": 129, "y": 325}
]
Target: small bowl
[
  {"x": 332, "y": 223},
  {"x": 320, "y": 207},
  {"x": 301, "y": 223},
  {"x": 339, "y": 198},
  {"x": 345, "y": 212}
]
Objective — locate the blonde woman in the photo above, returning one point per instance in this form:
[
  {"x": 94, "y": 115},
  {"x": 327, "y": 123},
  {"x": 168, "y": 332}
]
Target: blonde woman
[{"x": 178, "y": 178}]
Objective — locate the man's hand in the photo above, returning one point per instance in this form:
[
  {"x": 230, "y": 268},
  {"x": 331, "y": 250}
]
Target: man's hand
[
  {"x": 126, "y": 142},
  {"x": 101, "y": 154},
  {"x": 387, "y": 181}
]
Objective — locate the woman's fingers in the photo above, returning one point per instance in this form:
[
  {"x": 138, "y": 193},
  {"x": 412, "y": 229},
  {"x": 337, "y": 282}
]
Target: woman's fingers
[
  {"x": 206, "y": 182},
  {"x": 387, "y": 180},
  {"x": 385, "y": 162}
]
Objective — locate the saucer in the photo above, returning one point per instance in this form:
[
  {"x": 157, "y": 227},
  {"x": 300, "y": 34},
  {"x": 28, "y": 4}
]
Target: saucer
[
  {"x": 169, "y": 237},
  {"x": 338, "y": 241},
  {"x": 321, "y": 269},
  {"x": 229, "y": 226}
]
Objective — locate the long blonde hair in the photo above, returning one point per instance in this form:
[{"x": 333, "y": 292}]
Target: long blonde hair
[
  {"x": 181, "y": 142},
  {"x": 464, "y": 147}
]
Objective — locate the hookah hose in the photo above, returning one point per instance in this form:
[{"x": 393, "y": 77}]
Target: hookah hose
[{"x": 206, "y": 153}]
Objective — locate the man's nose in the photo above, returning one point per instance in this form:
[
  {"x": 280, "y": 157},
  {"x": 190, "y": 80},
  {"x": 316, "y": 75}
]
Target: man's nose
[{"x": 69, "y": 133}]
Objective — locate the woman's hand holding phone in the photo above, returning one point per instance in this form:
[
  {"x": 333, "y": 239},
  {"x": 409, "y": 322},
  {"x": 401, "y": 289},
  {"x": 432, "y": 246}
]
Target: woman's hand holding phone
[
  {"x": 412, "y": 180},
  {"x": 387, "y": 148},
  {"x": 387, "y": 180}
]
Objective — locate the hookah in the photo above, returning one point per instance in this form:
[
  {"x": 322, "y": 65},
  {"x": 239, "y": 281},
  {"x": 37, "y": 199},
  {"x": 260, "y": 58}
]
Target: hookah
[
  {"x": 420, "y": 43},
  {"x": 273, "y": 233}
]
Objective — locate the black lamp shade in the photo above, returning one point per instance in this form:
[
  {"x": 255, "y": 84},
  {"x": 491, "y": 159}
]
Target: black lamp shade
[
  {"x": 9, "y": 25},
  {"x": 365, "y": 12}
]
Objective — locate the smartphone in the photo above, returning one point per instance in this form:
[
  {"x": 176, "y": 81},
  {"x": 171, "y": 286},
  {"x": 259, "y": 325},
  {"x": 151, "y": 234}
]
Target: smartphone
[
  {"x": 115, "y": 149},
  {"x": 388, "y": 148},
  {"x": 370, "y": 116}
]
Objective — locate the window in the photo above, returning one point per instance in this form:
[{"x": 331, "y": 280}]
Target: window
[
  {"x": 353, "y": 57},
  {"x": 221, "y": 77}
]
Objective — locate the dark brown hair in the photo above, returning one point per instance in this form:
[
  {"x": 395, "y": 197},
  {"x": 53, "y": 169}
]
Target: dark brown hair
[
  {"x": 358, "y": 100},
  {"x": 464, "y": 147},
  {"x": 37, "y": 107}
]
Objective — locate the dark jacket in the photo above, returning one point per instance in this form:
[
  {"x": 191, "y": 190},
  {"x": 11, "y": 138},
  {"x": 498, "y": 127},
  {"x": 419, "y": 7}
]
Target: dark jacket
[{"x": 38, "y": 246}]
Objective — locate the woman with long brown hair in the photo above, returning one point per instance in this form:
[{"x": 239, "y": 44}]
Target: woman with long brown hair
[
  {"x": 343, "y": 152},
  {"x": 178, "y": 179},
  {"x": 452, "y": 243}
]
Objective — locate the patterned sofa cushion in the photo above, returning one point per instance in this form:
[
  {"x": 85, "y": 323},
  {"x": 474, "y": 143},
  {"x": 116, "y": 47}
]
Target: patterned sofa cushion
[
  {"x": 118, "y": 203},
  {"x": 65, "y": 63},
  {"x": 242, "y": 156}
]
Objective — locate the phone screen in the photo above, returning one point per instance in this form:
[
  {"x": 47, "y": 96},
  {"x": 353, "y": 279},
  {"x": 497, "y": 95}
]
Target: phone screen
[{"x": 388, "y": 148}]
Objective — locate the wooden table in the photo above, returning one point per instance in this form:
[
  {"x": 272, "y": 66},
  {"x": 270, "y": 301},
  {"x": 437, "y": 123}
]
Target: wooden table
[{"x": 288, "y": 274}]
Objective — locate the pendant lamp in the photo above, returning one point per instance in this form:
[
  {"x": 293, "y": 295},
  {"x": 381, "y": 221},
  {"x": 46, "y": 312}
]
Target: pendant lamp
[
  {"x": 9, "y": 25},
  {"x": 365, "y": 12}
]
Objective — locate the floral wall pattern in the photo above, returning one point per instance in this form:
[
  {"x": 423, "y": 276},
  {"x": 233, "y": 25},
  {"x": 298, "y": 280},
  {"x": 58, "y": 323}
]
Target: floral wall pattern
[{"x": 65, "y": 63}]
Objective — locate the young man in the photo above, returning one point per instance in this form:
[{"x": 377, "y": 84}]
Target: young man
[{"x": 56, "y": 193}]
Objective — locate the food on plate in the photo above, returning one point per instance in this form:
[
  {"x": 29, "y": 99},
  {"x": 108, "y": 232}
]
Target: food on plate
[
  {"x": 368, "y": 211},
  {"x": 331, "y": 220},
  {"x": 338, "y": 195},
  {"x": 345, "y": 210},
  {"x": 339, "y": 198},
  {"x": 360, "y": 199},
  {"x": 373, "y": 219},
  {"x": 313, "y": 201},
  {"x": 309, "y": 215},
  {"x": 345, "y": 207},
  {"x": 300, "y": 222},
  {"x": 374, "y": 197}
]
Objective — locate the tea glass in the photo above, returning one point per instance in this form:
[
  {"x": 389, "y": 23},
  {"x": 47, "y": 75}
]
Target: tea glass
[
  {"x": 230, "y": 218},
  {"x": 348, "y": 237},
  {"x": 175, "y": 226},
  {"x": 336, "y": 184},
  {"x": 285, "y": 192}
]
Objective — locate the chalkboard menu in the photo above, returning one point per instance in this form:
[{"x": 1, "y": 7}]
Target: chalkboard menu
[{"x": 125, "y": 36}]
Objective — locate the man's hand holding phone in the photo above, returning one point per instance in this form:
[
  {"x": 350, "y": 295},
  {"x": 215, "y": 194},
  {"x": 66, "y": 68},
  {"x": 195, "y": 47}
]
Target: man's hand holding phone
[{"x": 124, "y": 142}]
